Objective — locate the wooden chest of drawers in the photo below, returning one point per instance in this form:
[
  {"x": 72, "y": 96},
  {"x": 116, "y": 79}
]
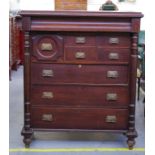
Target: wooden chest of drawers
[{"x": 80, "y": 72}]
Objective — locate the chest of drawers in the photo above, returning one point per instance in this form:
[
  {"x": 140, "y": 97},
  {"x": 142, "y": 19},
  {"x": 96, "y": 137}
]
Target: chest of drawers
[{"x": 80, "y": 72}]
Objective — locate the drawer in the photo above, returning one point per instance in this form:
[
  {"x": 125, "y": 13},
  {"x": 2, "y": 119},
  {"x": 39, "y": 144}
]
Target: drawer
[
  {"x": 79, "y": 118},
  {"x": 80, "y": 53},
  {"x": 89, "y": 74},
  {"x": 71, "y": 95},
  {"x": 47, "y": 47},
  {"x": 114, "y": 40},
  {"x": 113, "y": 55},
  {"x": 78, "y": 40}
]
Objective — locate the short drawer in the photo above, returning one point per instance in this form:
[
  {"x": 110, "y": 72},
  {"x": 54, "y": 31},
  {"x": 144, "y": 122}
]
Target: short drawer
[
  {"x": 113, "y": 55},
  {"x": 89, "y": 74},
  {"x": 80, "y": 53},
  {"x": 114, "y": 40},
  {"x": 79, "y": 118},
  {"x": 78, "y": 40},
  {"x": 80, "y": 95}
]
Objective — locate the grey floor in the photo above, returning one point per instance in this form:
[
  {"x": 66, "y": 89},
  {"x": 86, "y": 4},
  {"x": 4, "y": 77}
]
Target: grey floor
[{"x": 45, "y": 141}]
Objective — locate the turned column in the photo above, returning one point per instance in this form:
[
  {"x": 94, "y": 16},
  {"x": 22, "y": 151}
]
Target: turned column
[
  {"x": 131, "y": 133},
  {"x": 27, "y": 131}
]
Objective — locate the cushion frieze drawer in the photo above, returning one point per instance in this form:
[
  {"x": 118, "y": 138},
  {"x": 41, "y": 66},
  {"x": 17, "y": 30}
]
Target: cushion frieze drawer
[
  {"x": 80, "y": 95},
  {"x": 67, "y": 73},
  {"x": 85, "y": 118}
]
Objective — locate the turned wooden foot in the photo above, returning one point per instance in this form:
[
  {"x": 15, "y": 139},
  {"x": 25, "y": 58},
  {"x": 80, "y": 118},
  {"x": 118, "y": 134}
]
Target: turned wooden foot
[
  {"x": 131, "y": 143},
  {"x": 28, "y": 135},
  {"x": 27, "y": 145},
  {"x": 131, "y": 139}
]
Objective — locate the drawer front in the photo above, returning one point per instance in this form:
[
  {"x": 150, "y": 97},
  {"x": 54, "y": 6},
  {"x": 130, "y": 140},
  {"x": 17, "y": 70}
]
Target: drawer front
[
  {"x": 83, "y": 40},
  {"x": 113, "y": 55},
  {"x": 91, "y": 74},
  {"x": 47, "y": 47},
  {"x": 80, "y": 96},
  {"x": 80, "y": 53},
  {"x": 114, "y": 40},
  {"x": 79, "y": 118}
]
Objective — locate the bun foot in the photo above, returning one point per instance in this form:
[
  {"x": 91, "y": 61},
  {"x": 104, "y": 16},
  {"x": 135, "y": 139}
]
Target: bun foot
[
  {"x": 131, "y": 139},
  {"x": 131, "y": 144},
  {"x": 28, "y": 134},
  {"x": 27, "y": 145}
]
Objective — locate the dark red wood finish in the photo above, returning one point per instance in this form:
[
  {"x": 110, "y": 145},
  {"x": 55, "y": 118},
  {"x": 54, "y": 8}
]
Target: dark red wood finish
[
  {"x": 71, "y": 118},
  {"x": 15, "y": 51},
  {"x": 84, "y": 74},
  {"x": 104, "y": 54},
  {"x": 52, "y": 54},
  {"x": 68, "y": 56},
  {"x": 123, "y": 40},
  {"x": 89, "y": 52},
  {"x": 89, "y": 40},
  {"x": 80, "y": 96}
]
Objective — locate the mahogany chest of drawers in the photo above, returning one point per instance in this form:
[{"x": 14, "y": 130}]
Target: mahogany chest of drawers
[{"x": 80, "y": 72}]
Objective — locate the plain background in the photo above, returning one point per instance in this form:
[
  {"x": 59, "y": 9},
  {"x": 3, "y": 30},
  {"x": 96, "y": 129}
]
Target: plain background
[{"x": 92, "y": 5}]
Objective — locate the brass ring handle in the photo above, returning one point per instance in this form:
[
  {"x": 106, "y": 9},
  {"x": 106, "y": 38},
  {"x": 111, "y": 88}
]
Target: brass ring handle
[
  {"x": 47, "y": 73},
  {"x": 47, "y": 117}
]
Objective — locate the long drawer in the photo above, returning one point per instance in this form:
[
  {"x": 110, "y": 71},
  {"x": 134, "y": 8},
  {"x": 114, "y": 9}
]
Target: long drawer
[
  {"x": 79, "y": 118},
  {"x": 71, "y": 95},
  {"x": 63, "y": 73}
]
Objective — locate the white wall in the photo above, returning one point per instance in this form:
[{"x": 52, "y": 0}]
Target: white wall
[
  {"x": 93, "y": 5},
  {"x": 14, "y": 5},
  {"x": 37, "y": 4},
  {"x": 139, "y": 6}
]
